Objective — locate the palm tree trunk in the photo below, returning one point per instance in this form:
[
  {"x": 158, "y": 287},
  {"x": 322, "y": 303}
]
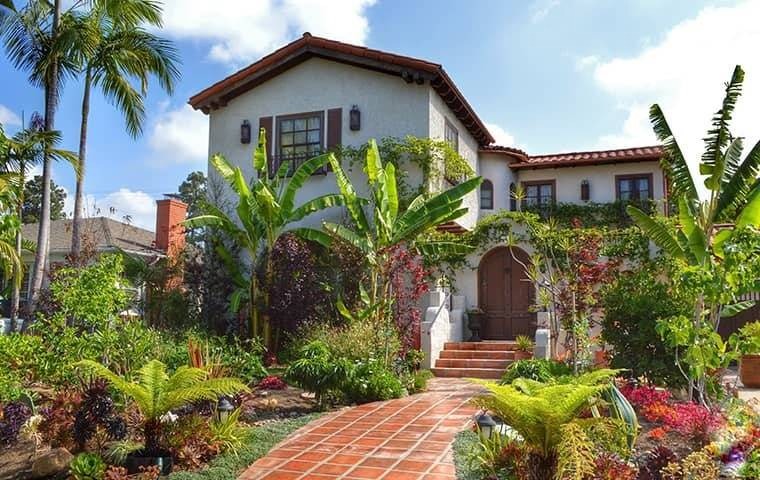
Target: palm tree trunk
[
  {"x": 43, "y": 234},
  {"x": 76, "y": 231},
  {"x": 16, "y": 293}
]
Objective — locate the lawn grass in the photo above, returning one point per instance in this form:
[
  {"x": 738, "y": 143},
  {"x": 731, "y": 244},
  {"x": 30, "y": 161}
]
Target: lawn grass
[{"x": 229, "y": 466}]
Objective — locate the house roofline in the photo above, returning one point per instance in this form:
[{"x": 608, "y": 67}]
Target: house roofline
[
  {"x": 412, "y": 70},
  {"x": 593, "y": 157}
]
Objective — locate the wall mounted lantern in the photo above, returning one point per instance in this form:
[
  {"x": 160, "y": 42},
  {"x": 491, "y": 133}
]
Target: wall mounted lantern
[
  {"x": 585, "y": 190},
  {"x": 245, "y": 132},
  {"x": 355, "y": 119}
]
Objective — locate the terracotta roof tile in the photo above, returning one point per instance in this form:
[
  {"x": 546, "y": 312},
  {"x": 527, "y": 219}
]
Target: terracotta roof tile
[
  {"x": 598, "y": 157},
  {"x": 308, "y": 46}
]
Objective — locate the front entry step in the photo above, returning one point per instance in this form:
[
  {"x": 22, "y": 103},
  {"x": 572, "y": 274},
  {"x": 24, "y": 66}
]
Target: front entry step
[{"x": 474, "y": 359}]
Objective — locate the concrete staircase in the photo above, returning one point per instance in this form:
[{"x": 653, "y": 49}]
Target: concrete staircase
[{"x": 474, "y": 359}]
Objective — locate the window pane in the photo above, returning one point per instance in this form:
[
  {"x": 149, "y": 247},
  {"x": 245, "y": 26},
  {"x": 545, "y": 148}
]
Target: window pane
[
  {"x": 299, "y": 138},
  {"x": 531, "y": 191},
  {"x": 314, "y": 149},
  {"x": 300, "y": 151},
  {"x": 287, "y": 151},
  {"x": 546, "y": 191},
  {"x": 286, "y": 126},
  {"x": 313, "y": 122},
  {"x": 313, "y": 136},
  {"x": 299, "y": 124},
  {"x": 286, "y": 139}
]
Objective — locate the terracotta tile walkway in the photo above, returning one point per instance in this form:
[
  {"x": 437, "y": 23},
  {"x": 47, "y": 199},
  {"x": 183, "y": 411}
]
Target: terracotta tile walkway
[{"x": 405, "y": 439}]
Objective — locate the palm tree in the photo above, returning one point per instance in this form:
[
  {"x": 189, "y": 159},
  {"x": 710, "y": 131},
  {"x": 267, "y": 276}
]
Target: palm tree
[
  {"x": 116, "y": 49},
  {"x": 25, "y": 149},
  {"x": 39, "y": 39},
  {"x": 733, "y": 198},
  {"x": 155, "y": 393},
  {"x": 10, "y": 260},
  {"x": 265, "y": 210}
]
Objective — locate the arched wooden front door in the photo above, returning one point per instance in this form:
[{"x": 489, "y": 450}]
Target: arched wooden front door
[{"x": 505, "y": 294}]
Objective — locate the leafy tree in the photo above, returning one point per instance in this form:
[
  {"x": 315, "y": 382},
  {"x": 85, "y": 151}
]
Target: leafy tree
[
  {"x": 193, "y": 191},
  {"x": 376, "y": 233},
  {"x": 39, "y": 39},
  {"x": 714, "y": 263},
  {"x": 156, "y": 392},
  {"x": 266, "y": 207},
  {"x": 116, "y": 50},
  {"x": 32, "y": 206}
]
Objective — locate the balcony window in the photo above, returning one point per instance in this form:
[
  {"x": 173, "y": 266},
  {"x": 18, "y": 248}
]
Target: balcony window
[
  {"x": 539, "y": 194},
  {"x": 486, "y": 195},
  {"x": 634, "y": 188}
]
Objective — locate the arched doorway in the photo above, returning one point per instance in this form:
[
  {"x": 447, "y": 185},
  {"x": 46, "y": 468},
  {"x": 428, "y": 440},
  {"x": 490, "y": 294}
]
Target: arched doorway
[{"x": 505, "y": 294}]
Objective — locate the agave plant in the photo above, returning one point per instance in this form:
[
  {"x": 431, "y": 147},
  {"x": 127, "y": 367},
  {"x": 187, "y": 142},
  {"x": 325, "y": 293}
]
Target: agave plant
[
  {"x": 709, "y": 232},
  {"x": 156, "y": 393},
  {"x": 266, "y": 207}
]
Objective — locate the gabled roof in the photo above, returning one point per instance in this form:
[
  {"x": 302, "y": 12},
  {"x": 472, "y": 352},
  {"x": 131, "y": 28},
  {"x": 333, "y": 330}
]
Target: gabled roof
[
  {"x": 596, "y": 157},
  {"x": 410, "y": 69},
  {"x": 106, "y": 233}
]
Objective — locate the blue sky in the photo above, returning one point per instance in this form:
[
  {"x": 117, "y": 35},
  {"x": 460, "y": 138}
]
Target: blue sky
[{"x": 545, "y": 75}]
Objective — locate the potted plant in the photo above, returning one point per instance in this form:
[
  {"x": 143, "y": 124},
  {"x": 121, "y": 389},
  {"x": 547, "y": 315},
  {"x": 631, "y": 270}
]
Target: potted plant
[
  {"x": 475, "y": 319},
  {"x": 155, "y": 394},
  {"x": 747, "y": 344},
  {"x": 523, "y": 347}
]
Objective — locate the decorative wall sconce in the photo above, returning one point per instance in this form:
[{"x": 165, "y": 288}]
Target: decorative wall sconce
[
  {"x": 585, "y": 190},
  {"x": 355, "y": 119},
  {"x": 245, "y": 132}
]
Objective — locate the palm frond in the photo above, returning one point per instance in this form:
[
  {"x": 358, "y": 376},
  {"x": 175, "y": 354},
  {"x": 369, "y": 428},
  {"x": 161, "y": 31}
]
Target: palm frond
[
  {"x": 734, "y": 193},
  {"x": 673, "y": 162},
  {"x": 659, "y": 234}
]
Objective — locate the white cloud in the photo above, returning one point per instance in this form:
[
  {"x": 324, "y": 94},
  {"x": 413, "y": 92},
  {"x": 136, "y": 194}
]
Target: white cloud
[
  {"x": 8, "y": 117},
  {"x": 501, "y": 136},
  {"x": 586, "y": 62},
  {"x": 180, "y": 137},
  {"x": 241, "y": 30},
  {"x": 125, "y": 205},
  {"x": 684, "y": 72},
  {"x": 541, "y": 9}
]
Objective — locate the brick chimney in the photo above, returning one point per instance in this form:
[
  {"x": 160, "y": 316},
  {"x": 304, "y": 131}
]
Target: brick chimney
[{"x": 170, "y": 235}]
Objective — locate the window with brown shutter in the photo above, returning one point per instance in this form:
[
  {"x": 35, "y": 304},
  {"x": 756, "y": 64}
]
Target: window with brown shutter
[
  {"x": 299, "y": 138},
  {"x": 334, "y": 130}
]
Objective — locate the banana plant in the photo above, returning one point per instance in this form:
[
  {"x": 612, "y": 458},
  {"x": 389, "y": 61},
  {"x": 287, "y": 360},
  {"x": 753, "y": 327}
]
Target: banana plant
[
  {"x": 709, "y": 229},
  {"x": 266, "y": 208},
  {"x": 376, "y": 232}
]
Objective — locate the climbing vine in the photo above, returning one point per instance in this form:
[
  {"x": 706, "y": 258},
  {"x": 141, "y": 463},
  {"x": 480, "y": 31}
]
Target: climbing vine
[{"x": 437, "y": 160}]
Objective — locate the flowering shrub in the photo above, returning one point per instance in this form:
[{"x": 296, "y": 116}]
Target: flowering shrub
[
  {"x": 408, "y": 282},
  {"x": 272, "y": 382},
  {"x": 644, "y": 395}
]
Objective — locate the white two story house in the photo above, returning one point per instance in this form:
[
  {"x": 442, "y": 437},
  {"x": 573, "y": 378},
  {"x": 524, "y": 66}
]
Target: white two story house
[{"x": 316, "y": 93}]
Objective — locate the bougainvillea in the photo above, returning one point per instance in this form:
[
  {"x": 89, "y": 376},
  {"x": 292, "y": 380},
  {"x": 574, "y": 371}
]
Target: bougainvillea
[{"x": 408, "y": 280}]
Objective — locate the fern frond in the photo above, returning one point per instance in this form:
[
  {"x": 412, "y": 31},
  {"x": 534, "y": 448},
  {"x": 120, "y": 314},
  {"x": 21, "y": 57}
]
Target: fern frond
[{"x": 575, "y": 454}]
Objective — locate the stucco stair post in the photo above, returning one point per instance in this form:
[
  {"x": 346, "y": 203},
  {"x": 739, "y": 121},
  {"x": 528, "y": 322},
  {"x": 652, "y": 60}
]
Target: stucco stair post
[{"x": 434, "y": 331}]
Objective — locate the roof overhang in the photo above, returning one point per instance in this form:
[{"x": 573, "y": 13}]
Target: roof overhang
[
  {"x": 590, "y": 158},
  {"x": 411, "y": 70}
]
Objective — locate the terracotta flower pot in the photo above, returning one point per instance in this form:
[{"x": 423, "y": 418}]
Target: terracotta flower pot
[
  {"x": 520, "y": 355},
  {"x": 749, "y": 371}
]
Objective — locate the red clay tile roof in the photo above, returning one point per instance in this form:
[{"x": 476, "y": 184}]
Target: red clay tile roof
[
  {"x": 599, "y": 157},
  {"x": 512, "y": 152},
  {"x": 412, "y": 70}
]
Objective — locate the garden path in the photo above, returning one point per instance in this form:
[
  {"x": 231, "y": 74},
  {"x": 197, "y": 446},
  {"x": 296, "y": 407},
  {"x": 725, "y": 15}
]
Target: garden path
[{"x": 403, "y": 439}]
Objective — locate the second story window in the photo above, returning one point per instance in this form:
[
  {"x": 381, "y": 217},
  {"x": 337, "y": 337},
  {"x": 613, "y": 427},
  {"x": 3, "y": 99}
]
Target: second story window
[
  {"x": 486, "y": 195},
  {"x": 539, "y": 193},
  {"x": 299, "y": 138},
  {"x": 451, "y": 135},
  {"x": 634, "y": 188}
]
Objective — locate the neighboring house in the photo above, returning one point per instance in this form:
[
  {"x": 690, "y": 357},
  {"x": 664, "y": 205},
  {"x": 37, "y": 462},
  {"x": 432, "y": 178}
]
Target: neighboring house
[
  {"x": 305, "y": 95},
  {"x": 108, "y": 236}
]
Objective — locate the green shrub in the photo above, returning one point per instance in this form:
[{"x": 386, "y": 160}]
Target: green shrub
[
  {"x": 371, "y": 381},
  {"x": 540, "y": 370},
  {"x": 417, "y": 381},
  {"x": 318, "y": 370},
  {"x": 633, "y": 304}
]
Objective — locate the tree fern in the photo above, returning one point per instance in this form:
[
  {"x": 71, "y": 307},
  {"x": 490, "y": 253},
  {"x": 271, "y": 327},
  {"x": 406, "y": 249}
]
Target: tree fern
[
  {"x": 155, "y": 392},
  {"x": 575, "y": 454}
]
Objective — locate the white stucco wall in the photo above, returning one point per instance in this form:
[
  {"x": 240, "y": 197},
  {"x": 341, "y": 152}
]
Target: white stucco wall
[
  {"x": 389, "y": 107},
  {"x": 468, "y": 148},
  {"x": 601, "y": 179},
  {"x": 495, "y": 168}
]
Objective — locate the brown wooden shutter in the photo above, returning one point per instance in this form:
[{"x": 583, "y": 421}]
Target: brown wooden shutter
[
  {"x": 267, "y": 124},
  {"x": 334, "y": 129}
]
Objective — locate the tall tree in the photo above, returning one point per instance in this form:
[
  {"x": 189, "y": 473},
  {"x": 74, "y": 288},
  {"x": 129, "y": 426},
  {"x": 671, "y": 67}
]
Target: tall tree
[
  {"x": 193, "y": 191},
  {"x": 31, "y": 209},
  {"x": 24, "y": 150},
  {"x": 116, "y": 52},
  {"x": 39, "y": 39}
]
